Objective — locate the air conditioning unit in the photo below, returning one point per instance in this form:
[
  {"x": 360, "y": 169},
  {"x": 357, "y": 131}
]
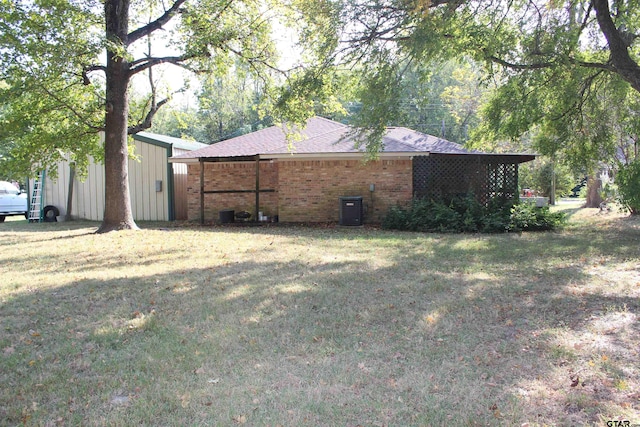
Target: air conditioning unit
[{"x": 351, "y": 210}]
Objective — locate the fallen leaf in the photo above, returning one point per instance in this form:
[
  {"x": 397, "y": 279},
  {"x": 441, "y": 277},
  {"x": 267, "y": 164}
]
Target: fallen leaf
[
  {"x": 120, "y": 400},
  {"x": 575, "y": 381},
  {"x": 241, "y": 419}
]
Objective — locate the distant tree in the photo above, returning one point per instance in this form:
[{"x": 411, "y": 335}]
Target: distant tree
[
  {"x": 229, "y": 104},
  {"x": 178, "y": 122}
]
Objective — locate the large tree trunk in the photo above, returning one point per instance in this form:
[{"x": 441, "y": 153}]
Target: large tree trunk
[
  {"x": 594, "y": 185},
  {"x": 117, "y": 207}
]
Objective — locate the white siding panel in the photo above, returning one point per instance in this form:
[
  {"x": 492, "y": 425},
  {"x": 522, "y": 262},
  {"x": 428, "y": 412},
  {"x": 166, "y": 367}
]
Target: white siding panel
[
  {"x": 161, "y": 201},
  {"x": 180, "y": 186},
  {"x": 135, "y": 178},
  {"x": 55, "y": 189},
  {"x": 88, "y": 195},
  {"x": 147, "y": 163},
  {"x": 147, "y": 204}
]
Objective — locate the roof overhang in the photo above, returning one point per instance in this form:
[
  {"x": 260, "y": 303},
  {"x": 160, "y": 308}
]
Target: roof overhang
[
  {"x": 501, "y": 157},
  {"x": 168, "y": 141},
  {"x": 506, "y": 158},
  {"x": 298, "y": 156},
  {"x": 340, "y": 156}
]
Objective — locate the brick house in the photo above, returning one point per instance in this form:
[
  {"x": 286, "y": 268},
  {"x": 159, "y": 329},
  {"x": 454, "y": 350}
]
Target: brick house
[{"x": 306, "y": 180}]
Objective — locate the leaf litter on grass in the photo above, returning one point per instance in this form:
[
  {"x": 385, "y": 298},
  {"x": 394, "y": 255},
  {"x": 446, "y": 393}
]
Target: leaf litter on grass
[{"x": 332, "y": 328}]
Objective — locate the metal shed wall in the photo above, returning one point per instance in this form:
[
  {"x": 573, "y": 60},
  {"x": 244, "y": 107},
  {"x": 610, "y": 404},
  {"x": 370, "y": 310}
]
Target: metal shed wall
[
  {"x": 180, "y": 186},
  {"x": 147, "y": 204}
]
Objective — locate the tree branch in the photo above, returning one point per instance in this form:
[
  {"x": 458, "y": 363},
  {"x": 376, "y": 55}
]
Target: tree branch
[
  {"x": 142, "y": 64},
  {"x": 155, "y": 25},
  {"x": 69, "y": 107},
  {"x": 549, "y": 64},
  {"x": 86, "y": 70},
  {"x": 146, "y": 123},
  {"x": 257, "y": 60},
  {"x": 622, "y": 62}
]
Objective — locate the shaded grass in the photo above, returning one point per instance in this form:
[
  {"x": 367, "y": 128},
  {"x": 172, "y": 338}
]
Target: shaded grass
[{"x": 180, "y": 325}]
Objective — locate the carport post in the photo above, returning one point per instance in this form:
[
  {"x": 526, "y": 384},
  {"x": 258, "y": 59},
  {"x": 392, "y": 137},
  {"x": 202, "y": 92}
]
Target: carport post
[
  {"x": 201, "y": 191},
  {"x": 257, "y": 188}
]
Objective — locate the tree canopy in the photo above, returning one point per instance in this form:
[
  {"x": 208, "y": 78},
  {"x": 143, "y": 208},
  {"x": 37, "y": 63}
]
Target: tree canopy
[
  {"x": 66, "y": 68},
  {"x": 558, "y": 65}
]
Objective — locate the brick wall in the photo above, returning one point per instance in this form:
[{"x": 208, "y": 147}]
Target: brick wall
[
  {"x": 307, "y": 190},
  {"x": 310, "y": 190},
  {"x": 231, "y": 176}
]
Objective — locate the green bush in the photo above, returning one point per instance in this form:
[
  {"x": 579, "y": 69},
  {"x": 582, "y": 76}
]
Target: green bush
[
  {"x": 466, "y": 214},
  {"x": 528, "y": 217},
  {"x": 628, "y": 182}
]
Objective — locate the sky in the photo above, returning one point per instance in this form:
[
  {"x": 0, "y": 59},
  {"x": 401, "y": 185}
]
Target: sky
[{"x": 172, "y": 79}]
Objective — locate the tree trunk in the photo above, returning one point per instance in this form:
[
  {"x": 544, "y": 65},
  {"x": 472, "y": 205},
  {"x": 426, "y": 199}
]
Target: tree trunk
[
  {"x": 594, "y": 185},
  {"x": 117, "y": 200}
]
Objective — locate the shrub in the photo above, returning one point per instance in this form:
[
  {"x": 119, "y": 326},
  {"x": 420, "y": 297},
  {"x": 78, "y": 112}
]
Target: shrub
[
  {"x": 466, "y": 214},
  {"x": 396, "y": 219},
  {"x": 528, "y": 217},
  {"x": 628, "y": 182}
]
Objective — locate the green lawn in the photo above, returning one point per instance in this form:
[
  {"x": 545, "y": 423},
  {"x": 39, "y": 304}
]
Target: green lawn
[{"x": 291, "y": 326}]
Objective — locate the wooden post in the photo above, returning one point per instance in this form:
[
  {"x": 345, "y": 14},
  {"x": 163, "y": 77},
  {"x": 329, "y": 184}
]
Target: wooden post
[
  {"x": 72, "y": 177},
  {"x": 201, "y": 192},
  {"x": 257, "y": 188}
]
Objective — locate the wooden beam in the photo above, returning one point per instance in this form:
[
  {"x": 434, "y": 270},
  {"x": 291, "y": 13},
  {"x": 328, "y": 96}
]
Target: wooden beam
[
  {"x": 266, "y": 190},
  {"x": 230, "y": 159}
]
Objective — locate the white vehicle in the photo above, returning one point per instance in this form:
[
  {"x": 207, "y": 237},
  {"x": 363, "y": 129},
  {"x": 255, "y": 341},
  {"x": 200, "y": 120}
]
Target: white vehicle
[{"x": 12, "y": 201}]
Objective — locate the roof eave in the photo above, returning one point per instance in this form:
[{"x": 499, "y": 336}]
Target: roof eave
[
  {"x": 521, "y": 158},
  {"x": 334, "y": 156},
  {"x": 185, "y": 160},
  {"x": 152, "y": 141},
  {"x": 298, "y": 156}
]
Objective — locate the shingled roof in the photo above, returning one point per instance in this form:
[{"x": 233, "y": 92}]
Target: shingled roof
[{"x": 321, "y": 137}]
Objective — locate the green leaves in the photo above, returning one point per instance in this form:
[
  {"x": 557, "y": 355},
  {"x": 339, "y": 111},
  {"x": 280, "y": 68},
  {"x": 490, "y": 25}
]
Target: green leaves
[
  {"x": 628, "y": 182},
  {"x": 45, "y": 110}
]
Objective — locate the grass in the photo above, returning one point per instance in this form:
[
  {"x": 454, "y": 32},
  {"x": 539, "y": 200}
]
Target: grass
[{"x": 282, "y": 325}]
